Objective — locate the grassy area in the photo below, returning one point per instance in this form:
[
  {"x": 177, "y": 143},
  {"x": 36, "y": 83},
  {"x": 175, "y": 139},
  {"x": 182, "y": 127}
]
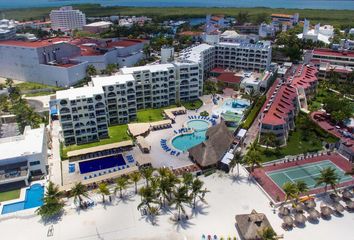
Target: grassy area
[
  {"x": 151, "y": 114},
  {"x": 27, "y": 86},
  {"x": 253, "y": 112},
  {"x": 9, "y": 195},
  {"x": 335, "y": 17},
  {"x": 193, "y": 105},
  {"x": 307, "y": 137},
  {"x": 117, "y": 133}
]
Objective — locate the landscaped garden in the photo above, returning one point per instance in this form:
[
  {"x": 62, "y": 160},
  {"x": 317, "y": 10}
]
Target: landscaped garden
[
  {"x": 9, "y": 195},
  {"x": 117, "y": 133},
  {"x": 307, "y": 137},
  {"x": 193, "y": 105}
]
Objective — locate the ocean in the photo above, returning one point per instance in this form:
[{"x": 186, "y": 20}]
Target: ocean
[{"x": 302, "y": 4}]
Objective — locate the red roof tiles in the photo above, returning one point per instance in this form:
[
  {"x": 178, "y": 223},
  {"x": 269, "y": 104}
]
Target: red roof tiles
[{"x": 330, "y": 52}]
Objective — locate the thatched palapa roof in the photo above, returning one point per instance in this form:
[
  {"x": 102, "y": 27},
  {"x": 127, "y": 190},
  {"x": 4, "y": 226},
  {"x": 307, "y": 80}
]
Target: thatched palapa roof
[
  {"x": 210, "y": 152},
  {"x": 251, "y": 225}
]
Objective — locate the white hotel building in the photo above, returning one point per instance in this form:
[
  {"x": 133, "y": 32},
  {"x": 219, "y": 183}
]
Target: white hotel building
[
  {"x": 23, "y": 156},
  {"x": 86, "y": 112},
  {"x": 233, "y": 56},
  {"x": 66, "y": 18}
]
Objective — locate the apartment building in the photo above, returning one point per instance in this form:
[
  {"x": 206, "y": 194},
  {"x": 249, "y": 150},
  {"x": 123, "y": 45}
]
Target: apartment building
[
  {"x": 67, "y": 18},
  {"x": 230, "y": 55},
  {"x": 63, "y": 61},
  {"x": 284, "y": 100},
  {"x": 86, "y": 112},
  {"x": 284, "y": 21},
  {"x": 7, "y": 29},
  {"x": 47, "y": 62},
  {"x": 334, "y": 57},
  {"x": 23, "y": 156},
  {"x": 82, "y": 114},
  {"x": 246, "y": 56}
]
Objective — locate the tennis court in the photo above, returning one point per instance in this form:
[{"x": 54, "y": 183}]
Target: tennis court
[{"x": 306, "y": 172}]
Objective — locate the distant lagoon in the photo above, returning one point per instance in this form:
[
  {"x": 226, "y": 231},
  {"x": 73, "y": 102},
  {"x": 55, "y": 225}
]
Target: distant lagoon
[{"x": 301, "y": 4}]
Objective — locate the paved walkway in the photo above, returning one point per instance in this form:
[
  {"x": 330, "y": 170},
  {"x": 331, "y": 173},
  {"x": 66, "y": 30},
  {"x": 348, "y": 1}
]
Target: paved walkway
[{"x": 54, "y": 160}]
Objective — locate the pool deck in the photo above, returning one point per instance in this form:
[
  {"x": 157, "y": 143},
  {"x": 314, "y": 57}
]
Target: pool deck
[{"x": 273, "y": 190}]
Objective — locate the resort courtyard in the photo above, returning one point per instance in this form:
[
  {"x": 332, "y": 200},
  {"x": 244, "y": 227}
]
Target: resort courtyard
[{"x": 229, "y": 195}]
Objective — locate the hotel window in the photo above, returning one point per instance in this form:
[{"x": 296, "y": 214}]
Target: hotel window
[{"x": 35, "y": 163}]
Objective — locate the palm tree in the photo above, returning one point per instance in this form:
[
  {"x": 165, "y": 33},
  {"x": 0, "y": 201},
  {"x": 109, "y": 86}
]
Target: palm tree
[
  {"x": 268, "y": 234},
  {"x": 91, "y": 70},
  {"x": 269, "y": 139},
  {"x": 236, "y": 161},
  {"x": 164, "y": 172},
  {"x": 302, "y": 187},
  {"x": 103, "y": 190},
  {"x": 328, "y": 176},
  {"x": 9, "y": 82},
  {"x": 52, "y": 203},
  {"x": 78, "y": 191},
  {"x": 52, "y": 191},
  {"x": 253, "y": 146},
  {"x": 148, "y": 197},
  {"x": 135, "y": 177},
  {"x": 147, "y": 174},
  {"x": 180, "y": 198},
  {"x": 197, "y": 191},
  {"x": 165, "y": 188},
  {"x": 251, "y": 95},
  {"x": 253, "y": 159},
  {"x": 188, "y": 180},
  {"x": 290, "y": 190},
  {"x": 122, "y": 184}
]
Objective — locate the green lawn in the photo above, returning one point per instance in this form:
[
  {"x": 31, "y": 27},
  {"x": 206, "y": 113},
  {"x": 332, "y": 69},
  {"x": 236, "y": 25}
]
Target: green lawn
[
  {"x": 307, "y": 137},
  {"x": 27, "y": 86},
  {"x": 117, "y": 133},
  {"x": 151, "y": 114},
  {"x": 193, "y": 105},
  {"x": 9, "y": 195}
]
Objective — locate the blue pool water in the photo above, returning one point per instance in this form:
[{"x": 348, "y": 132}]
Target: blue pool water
[
  {"x": 101, "y": 163},
  {"x": 34, "y": 198},
  {"x": 233, "y": 105},
  {"x": 186, "y": 141}
]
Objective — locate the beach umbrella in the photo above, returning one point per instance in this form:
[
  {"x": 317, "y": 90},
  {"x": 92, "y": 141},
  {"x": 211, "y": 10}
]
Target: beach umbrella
[
  {"x": 300, "y": 218},
  {"x": 338, "y": 207},
  {"x": 299, "y": 207},
  {"x": 326, "y": 211},
  {"x": 350, "y": 205},
  {"x": 284, "y": 211},
  {"x": 334, "y": 197},
  {"x": 289, "y": 221},
  {"x": 314, "y": 214},
  {"x": 347, "y": 194},
  {"x": 310, "y": 203}
]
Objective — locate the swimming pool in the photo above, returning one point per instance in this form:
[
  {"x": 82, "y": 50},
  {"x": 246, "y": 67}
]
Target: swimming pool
[
  {"x": 186, "y": 141},
  {"x": 233, "y": 105},
  {"x": 101, "y": 163},
  {"x": 33, "y": 198}
]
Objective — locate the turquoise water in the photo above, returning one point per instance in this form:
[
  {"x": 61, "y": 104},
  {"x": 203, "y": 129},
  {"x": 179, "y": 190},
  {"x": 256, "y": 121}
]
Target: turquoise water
[
  {"x": 302, "y": 4},
  {"x": 34, "y": 198},
  {"x": 186, "y": 141},
  {"x": 233, "y": 105}
]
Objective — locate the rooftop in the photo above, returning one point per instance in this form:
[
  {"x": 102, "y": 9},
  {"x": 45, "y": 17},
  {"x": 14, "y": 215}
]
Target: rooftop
[
  {"x": 194, "y": 53},
  {"x": 81, "y": 92},
  {"x": 151, "y": 68},
  {"x": 98, "y": 24},
  {"x": 112, "y": 80},
  {"x": 34, "y": 44},
  {"x": 330, "y": 52},
  {"x": 31, "y": 142}
]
